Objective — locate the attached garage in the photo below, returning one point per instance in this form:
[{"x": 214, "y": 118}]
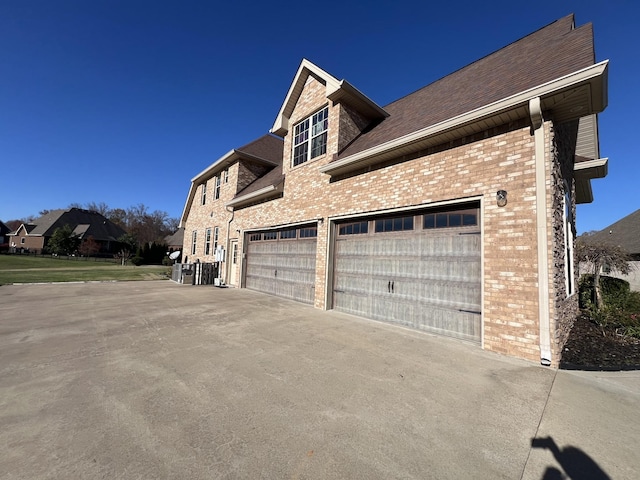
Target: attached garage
[
  {"x": 417, "y": 269},
  {"x": 283, "y": 262}
]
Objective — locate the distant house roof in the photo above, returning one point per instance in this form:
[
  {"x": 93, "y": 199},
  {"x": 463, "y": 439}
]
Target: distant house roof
[
  {"x": 624, "y": 233},
  {"x": 175, "y": 239},
  {"x": 4, "y": 229},
  {"x": 85, "y": 223}
]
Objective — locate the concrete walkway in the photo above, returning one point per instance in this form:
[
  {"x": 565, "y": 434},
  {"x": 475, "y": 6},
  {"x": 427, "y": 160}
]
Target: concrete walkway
[{"x": 154, "y": 380}]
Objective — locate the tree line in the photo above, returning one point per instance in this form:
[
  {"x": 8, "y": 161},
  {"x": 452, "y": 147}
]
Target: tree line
[
  {"x": 144, "y": 239},
  {"x": 144, "y": 225}
]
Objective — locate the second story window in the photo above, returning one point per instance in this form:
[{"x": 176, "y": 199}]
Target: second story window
[
  {"x": 310, "y": 137},
  {"x": 216, "y": 192},
  {"x": 203, "y": 194}
]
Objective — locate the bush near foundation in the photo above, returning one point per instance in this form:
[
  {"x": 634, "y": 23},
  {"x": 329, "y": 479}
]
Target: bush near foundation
[{"x": 620, "y": 309}]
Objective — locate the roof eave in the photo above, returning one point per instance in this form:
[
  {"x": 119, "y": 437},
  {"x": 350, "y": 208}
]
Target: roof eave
[
  {"x": 584, "y": 172},
  {"x": 259, "y": 195},
  {"x": 591, "y": 80},
  {"x": 347, "y": 93}
]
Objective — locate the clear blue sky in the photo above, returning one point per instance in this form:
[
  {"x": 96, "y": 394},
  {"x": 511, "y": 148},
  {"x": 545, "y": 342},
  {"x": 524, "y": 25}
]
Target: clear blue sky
[{"x": 123, "y": 102}]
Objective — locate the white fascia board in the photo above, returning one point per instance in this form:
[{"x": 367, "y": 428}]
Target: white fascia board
[
  {"x": 281, "y": 124},
  {"x": 253, "y": 196},
  {"x": 522, "y": 98},
  {"x": 597, "y": 168},
  {"x": 213, "y": 166},
  {"x": 187, "y": 204},
  {"x": 195, "y": 181},
  {"x": 345, "y": 89}
]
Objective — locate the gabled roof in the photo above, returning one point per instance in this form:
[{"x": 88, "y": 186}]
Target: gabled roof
[
  {"x": 3, "y": 228},
  {"x": 555, "y": 64},
  {"x": 85, "y": 223},
  {"x": 624, "y": 233},
  {"x": 339, "y": 91},
  {"x": 267, "y": 186},
  {"x": 266, "y": 150},
  {"x": 177, "y": 238},
  {"x": 27, "y": 227}
]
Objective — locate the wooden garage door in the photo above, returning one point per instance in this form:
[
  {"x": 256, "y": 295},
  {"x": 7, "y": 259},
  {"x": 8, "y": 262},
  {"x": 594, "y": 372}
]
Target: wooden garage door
[
  {"x": 418, "y": 270},
  {"x": 283, "y": 263}
]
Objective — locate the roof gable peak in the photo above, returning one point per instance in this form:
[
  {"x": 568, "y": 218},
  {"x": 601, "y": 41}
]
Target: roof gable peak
[{"x": 336, "y": 90}]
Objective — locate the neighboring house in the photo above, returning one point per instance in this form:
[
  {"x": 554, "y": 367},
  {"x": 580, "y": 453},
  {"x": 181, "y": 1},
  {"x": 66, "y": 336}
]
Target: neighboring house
[
  {"x": 174, "y": 241},
  {"x": 450, "y": 210},
  {"x": 624, "y": 233},
  {"x": 4, "y": 239},
  {"x": 34, "y": 236}
]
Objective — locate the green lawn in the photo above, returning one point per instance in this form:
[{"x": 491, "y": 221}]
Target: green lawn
[{"x": 25, "y": 269}]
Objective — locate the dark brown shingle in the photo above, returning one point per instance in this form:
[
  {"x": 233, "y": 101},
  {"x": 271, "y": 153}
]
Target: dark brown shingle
[{"x": 547, "y": 54}]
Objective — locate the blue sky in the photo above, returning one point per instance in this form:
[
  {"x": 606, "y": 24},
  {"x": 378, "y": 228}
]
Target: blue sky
[{"x": 123, "y": 102}]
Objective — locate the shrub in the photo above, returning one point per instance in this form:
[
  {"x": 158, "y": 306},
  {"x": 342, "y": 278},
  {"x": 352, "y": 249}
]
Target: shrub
[
  {"x": 621, "y": 306},
  {"x": 137, "y": 261},
  {"x": 612, "y": 288}
]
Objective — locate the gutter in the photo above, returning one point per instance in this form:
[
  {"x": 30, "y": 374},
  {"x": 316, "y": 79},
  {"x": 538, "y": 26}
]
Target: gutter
[
  {"x": 520, "y": 99},
  {"x": 227, "y": 246},
  {"x": 255, "y": 196}
]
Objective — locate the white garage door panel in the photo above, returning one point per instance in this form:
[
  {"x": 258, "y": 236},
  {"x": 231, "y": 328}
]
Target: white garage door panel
[
  {"x": 425, "y": 280},
  {"x": 283, "y": 267}
]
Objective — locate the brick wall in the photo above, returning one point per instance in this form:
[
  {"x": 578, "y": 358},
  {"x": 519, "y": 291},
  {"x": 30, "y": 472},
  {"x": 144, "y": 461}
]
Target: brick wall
[{"x": 472, "y": 168}]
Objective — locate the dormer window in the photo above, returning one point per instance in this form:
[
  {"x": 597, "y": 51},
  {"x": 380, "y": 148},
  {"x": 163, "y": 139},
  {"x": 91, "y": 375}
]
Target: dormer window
[{"x": 312, "y": 130}]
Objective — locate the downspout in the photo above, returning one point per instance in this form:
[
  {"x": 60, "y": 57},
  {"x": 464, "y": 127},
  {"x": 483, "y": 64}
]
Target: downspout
[
  {"x": 537, "y": 121},
  {"x": 228, "y": 244}
]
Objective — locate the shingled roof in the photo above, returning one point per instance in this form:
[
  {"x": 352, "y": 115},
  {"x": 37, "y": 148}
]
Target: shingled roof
[
  {"x": 547, "y": 54},
  {"x": 624, "y": 233},
  {"x": 84, "y": 222}
]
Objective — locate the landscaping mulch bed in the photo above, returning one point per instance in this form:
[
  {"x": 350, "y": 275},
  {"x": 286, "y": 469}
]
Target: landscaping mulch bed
[{"x": 591, "y": 348}]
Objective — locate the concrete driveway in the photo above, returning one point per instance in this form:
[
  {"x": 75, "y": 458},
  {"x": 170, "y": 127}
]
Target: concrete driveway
[{"x": 155, "y": 380}]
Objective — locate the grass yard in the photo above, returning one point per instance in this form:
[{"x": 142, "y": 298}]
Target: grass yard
[{"x": 25, "y": 269}]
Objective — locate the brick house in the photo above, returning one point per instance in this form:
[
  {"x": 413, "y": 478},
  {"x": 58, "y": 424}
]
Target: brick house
[
  {"x": 450, "y": 210},
  {"x": 34, "y": 236}
]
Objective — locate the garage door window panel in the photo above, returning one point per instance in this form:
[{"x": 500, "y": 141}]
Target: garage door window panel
[{"x": 421, "y": 270}]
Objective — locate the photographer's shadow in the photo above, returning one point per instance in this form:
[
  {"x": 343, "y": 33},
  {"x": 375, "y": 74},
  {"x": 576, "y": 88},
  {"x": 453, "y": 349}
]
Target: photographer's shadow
[{"x": 575, "y": 463}]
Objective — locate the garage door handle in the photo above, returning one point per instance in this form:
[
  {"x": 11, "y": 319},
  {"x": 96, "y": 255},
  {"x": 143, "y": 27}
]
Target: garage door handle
[
  {"x": 390, "y": 286},
  {"x": 276, "y": 273}
]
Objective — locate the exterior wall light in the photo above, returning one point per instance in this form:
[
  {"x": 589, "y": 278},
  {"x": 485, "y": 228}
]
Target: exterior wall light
[{"x": 501, "y": 198}]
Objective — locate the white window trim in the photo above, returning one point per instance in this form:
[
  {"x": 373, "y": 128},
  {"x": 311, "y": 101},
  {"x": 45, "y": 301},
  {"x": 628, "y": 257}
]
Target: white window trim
[
  {"x": 203, "y": 193},
  {"x": 310, "y": 137},
  {"x": 207, "y": 242},
  {"x": 216, "y": 191},
  {"x": 569, "y": 268},
  {"x": 194, "y": 239}
]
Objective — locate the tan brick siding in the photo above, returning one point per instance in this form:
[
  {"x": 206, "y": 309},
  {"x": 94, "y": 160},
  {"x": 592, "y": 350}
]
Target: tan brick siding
[{"x": 476, "y": 170}]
